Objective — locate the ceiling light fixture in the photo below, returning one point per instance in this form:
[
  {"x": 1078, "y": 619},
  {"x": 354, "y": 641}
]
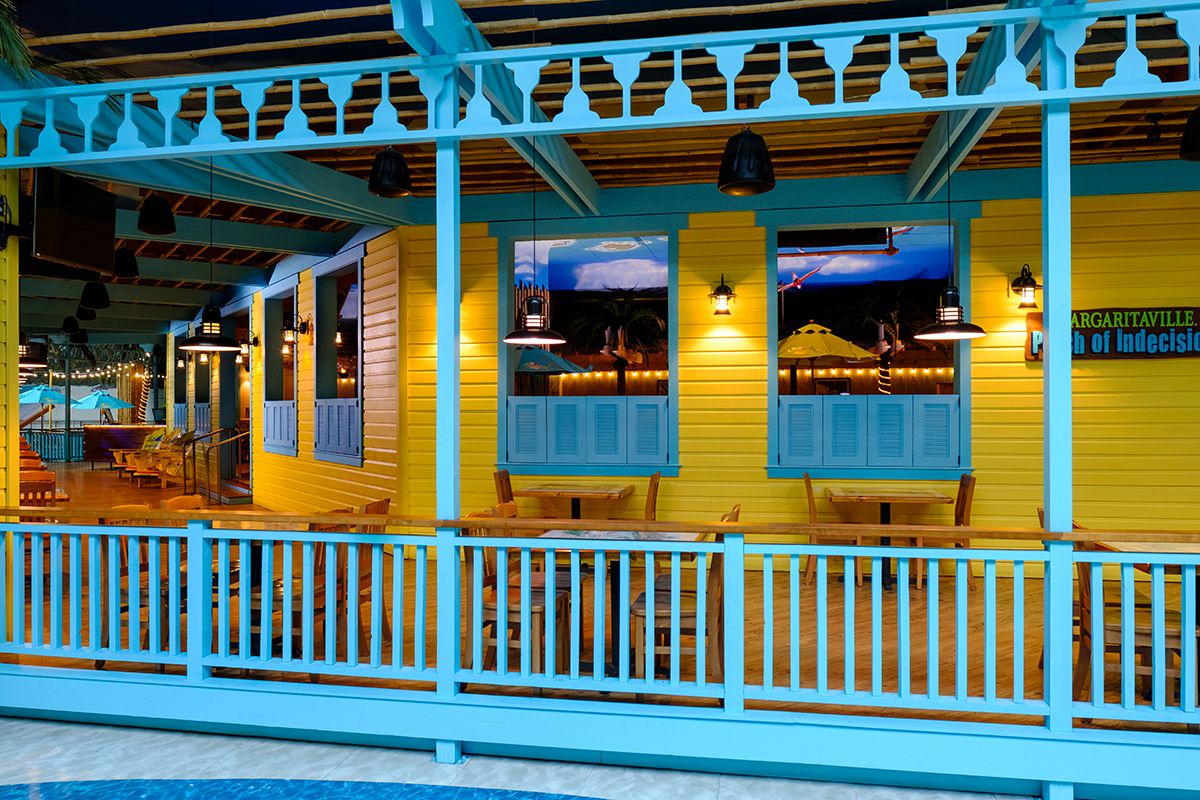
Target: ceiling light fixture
[
  {"x": 155, "y": 217},
  {"x": 389, "y": 174}
]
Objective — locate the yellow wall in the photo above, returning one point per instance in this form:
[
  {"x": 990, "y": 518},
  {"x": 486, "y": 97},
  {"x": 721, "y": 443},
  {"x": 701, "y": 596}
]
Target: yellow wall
[
  {"x": 1137, "y": 426},
  {"x": 1136, "y": 421}
]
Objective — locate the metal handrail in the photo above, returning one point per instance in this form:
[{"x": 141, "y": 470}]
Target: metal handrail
[
  {"x": 208, "y": 456},
  {"x": 190, "y": 457}
]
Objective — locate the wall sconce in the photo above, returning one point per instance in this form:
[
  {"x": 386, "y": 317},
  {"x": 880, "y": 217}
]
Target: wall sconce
[
  {"x": 722, "y": 296},
  {"x": 293, "y": 327},
  {"x": 180, "y": 363},
  {"x": 533, "y": 325},
  {"x": 285, "y": 350},
  {"x": 203, "y": 357},
  {"x": 1025, "y": 287},
  {"x": 337, "y": 338},
  {"x": 244, "y": 346}
]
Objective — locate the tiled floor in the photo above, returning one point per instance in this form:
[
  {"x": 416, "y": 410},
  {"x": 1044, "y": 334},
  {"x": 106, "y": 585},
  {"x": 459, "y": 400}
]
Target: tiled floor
[{"x": 52, "y": 751}]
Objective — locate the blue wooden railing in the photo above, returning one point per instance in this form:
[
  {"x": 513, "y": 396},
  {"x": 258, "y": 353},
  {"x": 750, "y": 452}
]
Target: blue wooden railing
[
  {"x": 52, "y": 445},
  {"x": 658, "y": 80},
  {"x": 740, "y": 623},
  {"x": 179, "y": 416}
]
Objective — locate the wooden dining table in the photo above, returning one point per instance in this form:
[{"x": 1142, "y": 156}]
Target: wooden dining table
[
  {"x": 885, "y": 497},
  {"x": 576, "y": 492},
  {"x": 614, "y": 567}
]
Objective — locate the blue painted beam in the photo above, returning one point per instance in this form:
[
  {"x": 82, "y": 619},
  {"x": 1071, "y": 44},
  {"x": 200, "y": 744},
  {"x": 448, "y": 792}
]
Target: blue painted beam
[
  {"x": 438, "y": 27},
  {"x": 268, "y": 180},
  {"x": 57, "y": 309},
  {"x": 109, "y": 337},
  {"x": 943, "y": 151},
  {"x": 117, "y": 293},
  {"x": 242, "y": 235},
  {"x": 34, "y": 322},
  {"x": 169, "y": 269}
]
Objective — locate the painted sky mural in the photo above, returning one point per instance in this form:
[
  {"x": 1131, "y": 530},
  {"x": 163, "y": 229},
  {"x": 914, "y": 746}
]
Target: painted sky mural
[
  {"x": 923, "y": 253},
  {"x": 594, "y": 264}
]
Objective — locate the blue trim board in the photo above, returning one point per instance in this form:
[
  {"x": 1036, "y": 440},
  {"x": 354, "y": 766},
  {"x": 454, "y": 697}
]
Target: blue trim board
[
  {"x": 868, "y": 473},
  {"x": 258, "y": 789},
  {"x": 279, "y": 450},
  {"x": 614, "y": 470},
  {"x": 981, "y": 755}
]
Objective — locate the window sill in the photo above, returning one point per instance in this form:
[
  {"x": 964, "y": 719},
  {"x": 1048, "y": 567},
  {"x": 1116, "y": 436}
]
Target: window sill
[
  {"x": 871, "y": 473},
  {"x": 338, "y": 458},
  {"x": 280, "y": 450},
  {"x": 608, "y": 470}
]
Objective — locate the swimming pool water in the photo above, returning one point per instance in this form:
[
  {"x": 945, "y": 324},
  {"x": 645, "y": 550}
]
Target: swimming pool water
[{"x": 260, "y": 790}]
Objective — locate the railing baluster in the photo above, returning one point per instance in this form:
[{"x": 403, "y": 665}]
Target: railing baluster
[
  {"x": 768, "y": 644},
  {"x": 623, "y": 605},
  {"x": 266, "y": 601},
  {"x": 576, "y": 614},
  {"x": 56, "y": 621},
  {"x": 1128, "y": 697},
  {"x": 376, "y": 605},
  {"x": 245, "y": 584},
  {"x": 223, "y": 595},
  {"x": 421, "y": 612},
  {"x": 476, "y": 631},
  {"x": 1098, "y": 633},
  {"x": 651, "y": 627},
  {"x": 1158, "y": 638},
  {"x": 398, "y": 559},
  {"x": 903, "y": 654},
  {"x": 18, "y": 573},
  {"x": 526, "y": 611},
  {"x": 112, "y": 570},
  {"x": 1187, "y": 658},
  {"x": 287, "y": 607},
  {"x": 133, "y": 580},
  {"x": 849, "y": 623},
  {"x": 154, "y": 593},
  {"x": 933, "y": 662},
  {"x": 822, "y": 626},
  {"x": 36, "y": 589},
  {"x": 307, "y": 588},
  {"x": 550, "y": 592},
  {"x": 794, "y": 622},
  {"x": 4, "y": 539},
  {"x": 701, "y": 619},
  {"x": 599, "y": 595},
  {"x": 75, "y": 559},
  {"x": 353, "y": 603},
  {"x": 174, "y": 597},
  {"x": 877, "y": 626},
  {"x": 675, "y": 610},
  {"x": 501, "y": 632},
  {"x": 989, "y": 630},
  {"x": 330, "y": 615},
  {"x": 961, "y": 689},
  {"x": 94, "y": 591},
  {"x": 1018, "y": 657}
]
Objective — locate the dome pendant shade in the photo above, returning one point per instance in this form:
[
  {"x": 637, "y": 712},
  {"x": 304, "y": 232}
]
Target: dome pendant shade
[
  {"x": 94, "y": 296},
  {"x": 70, "y": 325},
  {"x": 155, "y": 216},
  {"x": 1189, "y": 143},
  {"x": 949, "y": 324},
  {"x": 389, "y": 175},
  {"x": 124, "y": 263},
  {"x": 533, "y": 326},
  {"x": 84, "y": 314},
  {"x": 746, "y": 166},
  {"x": 209, "y": 338}
]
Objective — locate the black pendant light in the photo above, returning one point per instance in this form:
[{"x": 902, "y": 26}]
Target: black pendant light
[
  {"x": 209, "y": 339},
  {"x": 84, "y": 314},
  {"x": 155, "y": 216},
  {"x": 78, "y": 337},
  {"x": 533, "y": 327},
  {"x": 124, "y": 263},
  {"x": 1189, "y": 144},
  {"x": 70, "y": 325},
  {"x": 94, "y": 296},
  {"x": 389, "y": 174},
  {"x": 746, "y": 165}
]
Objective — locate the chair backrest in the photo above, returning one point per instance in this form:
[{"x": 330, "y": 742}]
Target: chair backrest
[
  {"x": 504, "y": 492},
  {"x": 962, "y": 503},
  {"x": 734, "y": 513},
  {"x": 184, "y": 502},
  {"x": 121, "y": 516},
  {"x": 812, "y": 498},
  {"x": 652, "y": 497},
  {"x": 507, "y": 510},
  {"x": 1041, "y": 512},
  {"x": 378, "y": 507},
  {"x": 36, "y": 492}
]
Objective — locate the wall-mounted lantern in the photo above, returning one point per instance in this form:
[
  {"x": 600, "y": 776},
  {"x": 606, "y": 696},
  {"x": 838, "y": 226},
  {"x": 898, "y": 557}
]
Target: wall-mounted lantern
[
  {"x": 1025, "y": 288},
  {"x": 721, "y": 297},
  {"x": 295, "y": 327}
]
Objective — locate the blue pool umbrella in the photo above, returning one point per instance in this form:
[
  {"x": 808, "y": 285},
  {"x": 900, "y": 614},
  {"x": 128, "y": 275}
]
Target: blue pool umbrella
[
  {"x": 543, "y": 362},
  {"x": 102, "y": 400},
  {"x": 42, "y": 395}
]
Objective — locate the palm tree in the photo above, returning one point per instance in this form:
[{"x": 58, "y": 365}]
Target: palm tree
[
  {"x": 13, "y": 50},
  {"x": 620, "y": 324}
]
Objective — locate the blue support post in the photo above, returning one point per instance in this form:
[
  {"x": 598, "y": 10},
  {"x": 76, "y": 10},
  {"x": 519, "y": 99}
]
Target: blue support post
[
  {"x": 447, "y": 418},
  {"x": 734, "y": 613},
  {"x": 1054, "y": 790},
  {"x": 199, "y": 599},
  {"x": 1059, "y": 616}
]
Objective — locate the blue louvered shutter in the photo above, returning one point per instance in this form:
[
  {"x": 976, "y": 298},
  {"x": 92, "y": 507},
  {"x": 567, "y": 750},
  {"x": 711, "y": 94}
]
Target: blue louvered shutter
[
  {"x": 648, "y": 430},
  {"x": 606, "y": 430},
  {"x": 844, "y": 429},
  {"x": 889, "y": 431},
  {"x": 800, "y": 431},
  {"x": 527, "y": 430},
  {"x": 567, "y": 431},
  {"x": 935, "y": 431}
]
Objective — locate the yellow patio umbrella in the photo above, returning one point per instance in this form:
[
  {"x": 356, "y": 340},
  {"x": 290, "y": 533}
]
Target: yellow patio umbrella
[{"x": 813, "y": 342}]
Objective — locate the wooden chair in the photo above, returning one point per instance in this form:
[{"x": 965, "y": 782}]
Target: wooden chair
[
  {"x": 184, "y": 502},
  {"x": 963, "y": 501},
  {"x": 714, "y": 626},
  {"x": 490, "y": 607},
  {"x": 37, "y": 489},
  {"x": 127, "y": 515},
  {"x": 810, "y": 564},
  {"x": 651, "y": 512},
  {"x": 363, "y": 593},
  {"x": 504, "y": 490}
]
